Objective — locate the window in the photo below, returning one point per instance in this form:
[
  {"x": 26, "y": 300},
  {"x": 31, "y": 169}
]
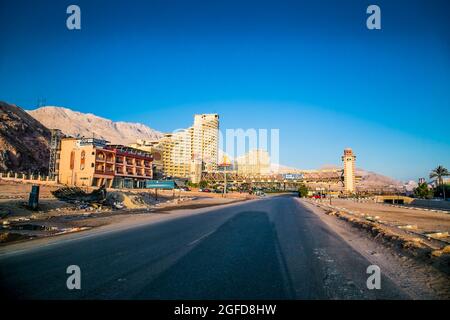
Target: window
[
  {"x": 72, "y": 160},
  {"x": 82, "y": 160}
]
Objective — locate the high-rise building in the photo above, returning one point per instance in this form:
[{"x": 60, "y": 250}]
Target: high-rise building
[
  {"x": 205, "y": 141},
  {"x": 188, "y": 152},
  {"x": 177, "y": 153},
  {"x": 349, "y": 170}
]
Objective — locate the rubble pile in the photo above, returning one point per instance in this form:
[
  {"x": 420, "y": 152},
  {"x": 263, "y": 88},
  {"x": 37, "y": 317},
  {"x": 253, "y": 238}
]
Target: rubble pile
[{"x": 75, "y": 194}]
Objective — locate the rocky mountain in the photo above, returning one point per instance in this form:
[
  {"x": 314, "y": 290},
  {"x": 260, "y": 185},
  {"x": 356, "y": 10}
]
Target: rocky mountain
[
  {"x": 372, "y": 180},
  {"x": 24, "y": 141},
  {"x": 75, "y": 123}
]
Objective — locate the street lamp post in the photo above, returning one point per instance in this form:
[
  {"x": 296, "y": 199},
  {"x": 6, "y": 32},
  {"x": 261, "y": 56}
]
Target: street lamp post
[
  {"x": 329, "y": 192},
  {"x": 225, "y": 182}
]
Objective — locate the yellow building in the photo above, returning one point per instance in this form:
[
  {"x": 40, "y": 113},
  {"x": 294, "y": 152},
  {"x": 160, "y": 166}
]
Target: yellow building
[
  {"x": 187, "y": 153},
  {"x": 205, "y": 141},
  {"x": 177, "y": 153}
]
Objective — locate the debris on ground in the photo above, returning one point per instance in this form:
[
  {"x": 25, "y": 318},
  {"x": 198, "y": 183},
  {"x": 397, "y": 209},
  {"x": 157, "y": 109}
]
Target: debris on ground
[
  {"x": 4, "y": 213},
  {"x": 424, "y": 246},
  {"x": 437, "y": 235},
  {"x": 72, "y": 194},
  {"x": 122, "y": 200},
  {"x": 11, "y": 236}
]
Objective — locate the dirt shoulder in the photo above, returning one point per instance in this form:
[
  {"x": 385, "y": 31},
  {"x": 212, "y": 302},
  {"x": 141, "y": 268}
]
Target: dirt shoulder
[
  {"x": 421, "y": 276},
  {"x": 422, "y": 220}
]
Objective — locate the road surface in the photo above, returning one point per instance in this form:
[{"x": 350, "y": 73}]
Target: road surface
[{"x": 273, "y": 248}]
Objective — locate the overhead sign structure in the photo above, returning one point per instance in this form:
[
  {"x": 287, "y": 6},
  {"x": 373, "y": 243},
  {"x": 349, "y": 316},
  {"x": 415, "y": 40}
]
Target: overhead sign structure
[{"x": 160, "y": 184}]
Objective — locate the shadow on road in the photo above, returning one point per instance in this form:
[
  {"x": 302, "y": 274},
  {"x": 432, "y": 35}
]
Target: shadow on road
[{"x": 238, "y": 261}]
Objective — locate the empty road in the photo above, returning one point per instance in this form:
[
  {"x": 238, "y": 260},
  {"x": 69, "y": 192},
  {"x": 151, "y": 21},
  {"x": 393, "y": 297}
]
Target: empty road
[{"x": 273, "y": 248}]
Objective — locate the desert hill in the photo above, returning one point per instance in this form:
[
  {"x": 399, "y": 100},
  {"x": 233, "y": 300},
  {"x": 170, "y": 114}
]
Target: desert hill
[{"x": 75, "y": 123}]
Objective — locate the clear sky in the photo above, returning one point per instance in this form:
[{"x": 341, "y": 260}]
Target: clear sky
[{"x": 309, "y": 68}]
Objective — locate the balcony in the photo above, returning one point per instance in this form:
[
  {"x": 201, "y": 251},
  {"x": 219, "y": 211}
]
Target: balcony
[
  {"x": 119, "y": 160},
  {"x": 110, "y": 159},
  {"x": 109, "y": 169},
  {"x": 139, "y": 163}
]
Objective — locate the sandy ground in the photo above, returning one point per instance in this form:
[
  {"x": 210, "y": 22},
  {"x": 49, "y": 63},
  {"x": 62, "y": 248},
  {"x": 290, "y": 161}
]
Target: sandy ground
[
  {"x": 420, "y": 279},
  {"x": 420, "y": 234},
  {"x": 426, "y": 221}
]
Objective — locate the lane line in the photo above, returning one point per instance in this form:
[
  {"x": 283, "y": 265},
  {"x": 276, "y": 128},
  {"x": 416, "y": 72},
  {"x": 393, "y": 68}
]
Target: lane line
[{"x": 200, "y": 239}]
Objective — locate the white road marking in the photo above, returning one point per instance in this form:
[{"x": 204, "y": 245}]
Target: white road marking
[{"x": 200, "y": 239}]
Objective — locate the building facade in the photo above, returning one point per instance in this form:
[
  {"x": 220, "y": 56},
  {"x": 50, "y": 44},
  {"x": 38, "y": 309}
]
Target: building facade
[
  {"x": 349, "y": 170},
  {"x": 93, "y": 163},
  {"x": 177, "y": 153},
  {"x": 186, "y": 153},
  {"x": 205, "y": 141},
  {"x": 155, "y": 149},
  {"x": 254, "y": 162}
]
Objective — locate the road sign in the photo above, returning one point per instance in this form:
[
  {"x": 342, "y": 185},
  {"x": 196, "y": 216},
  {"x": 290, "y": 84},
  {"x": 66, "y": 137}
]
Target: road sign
[
  {"x": 293, "y": 176},
  {"x": 160, "y": 184}
]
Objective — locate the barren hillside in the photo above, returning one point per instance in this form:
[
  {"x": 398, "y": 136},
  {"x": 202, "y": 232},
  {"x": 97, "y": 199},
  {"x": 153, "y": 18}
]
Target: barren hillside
[
  {"x": 24, "y": 141},
  {"x": 75, "y": 123}
]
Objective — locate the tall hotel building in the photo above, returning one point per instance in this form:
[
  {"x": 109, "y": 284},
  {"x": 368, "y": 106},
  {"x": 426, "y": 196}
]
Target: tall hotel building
[
  {"x": 177, "y": 153},
  {"x": 186, "y": 153},
  {"x": 205, "y": 141}
]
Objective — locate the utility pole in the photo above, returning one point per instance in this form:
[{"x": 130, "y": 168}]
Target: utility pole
[
  {"x": 225, "y": 182},
  {"x": 329, "y": 192}
]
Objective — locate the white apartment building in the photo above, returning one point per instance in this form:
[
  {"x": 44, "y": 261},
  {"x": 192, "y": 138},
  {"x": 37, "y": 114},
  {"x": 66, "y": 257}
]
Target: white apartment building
[{"x": 205, "y": 141}]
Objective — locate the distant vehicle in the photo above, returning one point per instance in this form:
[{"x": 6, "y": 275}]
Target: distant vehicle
[
  {"x": 185, "y": 189},
  {"x": 204, "y": 190},
  {"x": 218, "y": 191}
]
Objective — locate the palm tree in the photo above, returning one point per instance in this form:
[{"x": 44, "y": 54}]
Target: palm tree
[{"x": 439, "y": 173}]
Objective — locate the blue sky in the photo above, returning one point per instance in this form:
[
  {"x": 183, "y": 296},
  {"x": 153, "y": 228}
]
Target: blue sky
[{"x": 309, "y": 68}]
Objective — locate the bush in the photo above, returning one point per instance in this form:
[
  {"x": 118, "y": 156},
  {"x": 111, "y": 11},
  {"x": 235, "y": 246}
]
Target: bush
[
  {"x": 422, "y": 191},
  {"x": 191, "y": 184},
  {"x": 302, "y": 191}
]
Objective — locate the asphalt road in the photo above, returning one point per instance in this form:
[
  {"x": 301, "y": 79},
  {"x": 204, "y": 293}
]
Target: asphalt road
[{"x": 274, "y": 248}]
